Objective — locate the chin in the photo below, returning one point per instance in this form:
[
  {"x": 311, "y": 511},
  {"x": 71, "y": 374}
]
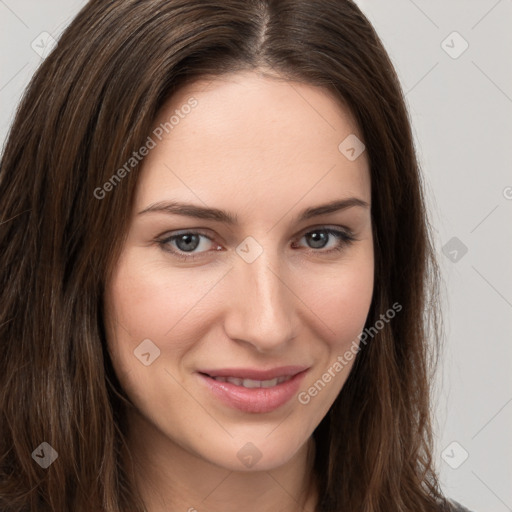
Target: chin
[{"x": 259, "y": 454}]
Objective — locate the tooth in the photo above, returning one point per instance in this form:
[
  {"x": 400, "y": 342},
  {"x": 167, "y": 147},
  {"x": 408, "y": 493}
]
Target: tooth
[
  {"x": 235, "y": 380},
  {"x": 249, "y": 383}
]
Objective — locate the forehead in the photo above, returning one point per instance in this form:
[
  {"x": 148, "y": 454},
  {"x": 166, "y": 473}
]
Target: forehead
[{"x": 249, "y": 137}]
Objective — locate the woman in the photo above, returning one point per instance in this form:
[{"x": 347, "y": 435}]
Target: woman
[{"x": 215, "y": 265}]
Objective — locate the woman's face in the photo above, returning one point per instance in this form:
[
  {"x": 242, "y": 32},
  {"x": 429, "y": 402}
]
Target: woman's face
[{"x": 271, "y": 293}]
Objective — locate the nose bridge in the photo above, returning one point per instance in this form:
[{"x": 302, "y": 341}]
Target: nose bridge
[{"x": 261, "y": 308}]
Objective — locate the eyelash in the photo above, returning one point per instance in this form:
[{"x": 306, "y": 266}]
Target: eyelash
[{"x": 345, "y": 239}]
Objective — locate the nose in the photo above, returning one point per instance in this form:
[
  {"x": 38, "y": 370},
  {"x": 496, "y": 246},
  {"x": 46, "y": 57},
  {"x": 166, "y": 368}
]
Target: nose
[{"x": 261, "y": 309}]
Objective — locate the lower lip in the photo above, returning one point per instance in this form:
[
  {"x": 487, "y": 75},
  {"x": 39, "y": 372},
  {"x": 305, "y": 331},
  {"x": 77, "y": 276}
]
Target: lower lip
[{"x": 254, "y": 400}]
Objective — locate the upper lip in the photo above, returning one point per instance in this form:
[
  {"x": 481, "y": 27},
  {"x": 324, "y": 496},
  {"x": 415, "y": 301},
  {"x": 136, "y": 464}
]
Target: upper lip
[{"x": 255, "y": 374}]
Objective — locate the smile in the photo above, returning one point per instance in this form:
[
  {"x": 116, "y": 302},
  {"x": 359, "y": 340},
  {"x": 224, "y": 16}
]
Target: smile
[
  {"x": 250, "y": 383},
  {"x": 251, "y": 395}
]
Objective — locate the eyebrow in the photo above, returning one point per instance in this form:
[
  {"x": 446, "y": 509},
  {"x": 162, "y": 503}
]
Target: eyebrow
[{"x": 201, "y": 212}]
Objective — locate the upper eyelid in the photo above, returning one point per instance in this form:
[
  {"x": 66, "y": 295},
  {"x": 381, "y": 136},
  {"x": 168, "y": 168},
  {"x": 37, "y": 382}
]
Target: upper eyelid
[
  {"x": 205, "y": 232},
  {"x": 199, "y": 231}
]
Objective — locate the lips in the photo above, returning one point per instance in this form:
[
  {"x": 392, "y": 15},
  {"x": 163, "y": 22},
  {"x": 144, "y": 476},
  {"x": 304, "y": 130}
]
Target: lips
[{"x": 252, "y": 390}]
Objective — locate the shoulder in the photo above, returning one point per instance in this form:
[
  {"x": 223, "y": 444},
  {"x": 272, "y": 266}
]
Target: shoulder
[{"x": 457, "y": 507}]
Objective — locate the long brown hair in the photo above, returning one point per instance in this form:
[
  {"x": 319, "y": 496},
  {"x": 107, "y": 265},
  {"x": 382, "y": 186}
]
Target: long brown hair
[{"x": 89, "y": 106}]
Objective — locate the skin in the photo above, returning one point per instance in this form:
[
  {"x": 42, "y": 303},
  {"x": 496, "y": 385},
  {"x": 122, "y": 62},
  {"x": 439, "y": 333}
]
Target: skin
[{"x": 264, "y": 149}]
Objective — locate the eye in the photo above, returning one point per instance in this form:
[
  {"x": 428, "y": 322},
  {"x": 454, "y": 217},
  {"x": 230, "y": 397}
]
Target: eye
[
  {"x": 185, "y": 245},
  {"x": 319, "y": 239}
]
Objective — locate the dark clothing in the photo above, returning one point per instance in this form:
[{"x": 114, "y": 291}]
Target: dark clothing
[{"x": 457, "y": 507}]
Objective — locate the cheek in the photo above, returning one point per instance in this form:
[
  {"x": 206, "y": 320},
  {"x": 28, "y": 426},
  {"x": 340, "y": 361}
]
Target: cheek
[
  {"x": 145, "y": 302},
  {"x": 342, "y": 297},
  {"x": 149, "y": 300},
  {"x": 350, "y": 310},
  {"x": 341, "y": 301}
]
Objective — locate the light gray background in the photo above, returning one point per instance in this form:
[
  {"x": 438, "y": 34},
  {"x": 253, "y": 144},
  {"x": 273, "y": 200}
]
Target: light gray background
[{"x": 461, "y": 109}]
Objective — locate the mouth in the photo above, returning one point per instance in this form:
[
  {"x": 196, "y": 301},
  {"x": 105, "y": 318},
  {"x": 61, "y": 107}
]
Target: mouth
[
  {"x": 254, "y": 391},
  {"x": 251, "y": 383}
]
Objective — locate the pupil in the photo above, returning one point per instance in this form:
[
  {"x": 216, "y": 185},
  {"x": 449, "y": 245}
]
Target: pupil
[
  {"x": 189, "y": 238},
  {"x": 318, "y": 239}
]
